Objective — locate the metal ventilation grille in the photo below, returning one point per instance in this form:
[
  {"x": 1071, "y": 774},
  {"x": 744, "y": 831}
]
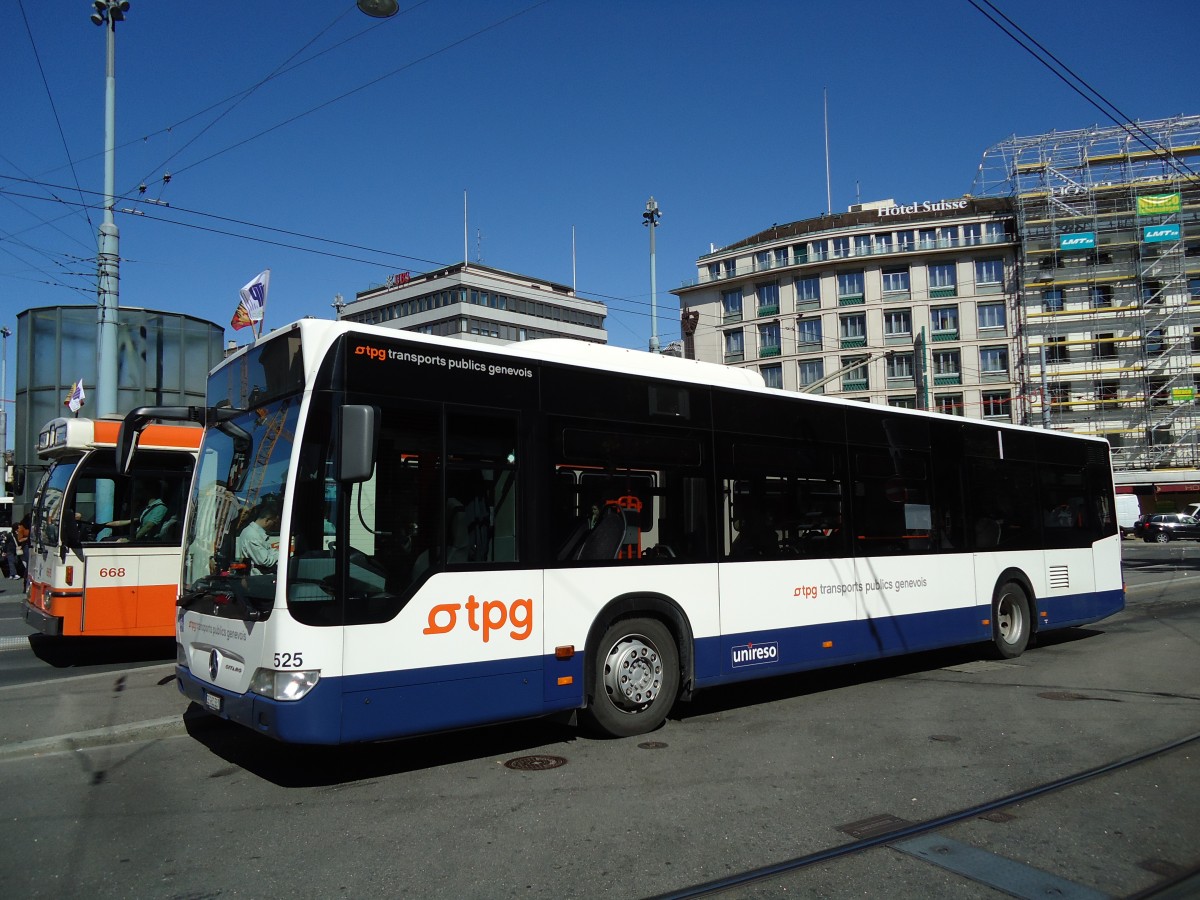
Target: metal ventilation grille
[{"x": 1060, "y": 578}]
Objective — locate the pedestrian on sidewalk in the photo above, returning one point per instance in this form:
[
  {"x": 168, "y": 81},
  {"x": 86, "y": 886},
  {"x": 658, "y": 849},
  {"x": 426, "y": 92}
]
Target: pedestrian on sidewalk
[{"x": 15, "y": 549}]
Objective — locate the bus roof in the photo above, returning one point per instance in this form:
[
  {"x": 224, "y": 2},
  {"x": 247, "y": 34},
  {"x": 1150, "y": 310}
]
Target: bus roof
[
  {"x": 568, "y": 352},
  {"x": 66, "y": 436}
]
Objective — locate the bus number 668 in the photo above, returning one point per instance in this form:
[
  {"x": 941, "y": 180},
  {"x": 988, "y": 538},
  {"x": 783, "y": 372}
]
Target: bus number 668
[{"x": 113, "y": 573}]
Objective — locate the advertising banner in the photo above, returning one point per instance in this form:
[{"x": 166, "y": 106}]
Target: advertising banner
[
  {"x": 1152, "y": 234},
  {"x": 1158, "y": 204},
  {"x": 1080, "y": 240}
]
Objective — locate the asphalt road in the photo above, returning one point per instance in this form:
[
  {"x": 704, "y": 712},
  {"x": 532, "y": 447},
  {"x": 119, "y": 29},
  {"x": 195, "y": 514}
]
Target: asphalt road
[{"x": 743, "y": 777}]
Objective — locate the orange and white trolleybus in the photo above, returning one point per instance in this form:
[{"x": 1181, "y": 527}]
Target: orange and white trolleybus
[{"x": 105, "y": 546}]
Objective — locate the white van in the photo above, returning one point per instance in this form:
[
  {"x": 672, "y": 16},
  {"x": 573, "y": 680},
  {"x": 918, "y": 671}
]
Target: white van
[{"x": 1128, "y": 509}]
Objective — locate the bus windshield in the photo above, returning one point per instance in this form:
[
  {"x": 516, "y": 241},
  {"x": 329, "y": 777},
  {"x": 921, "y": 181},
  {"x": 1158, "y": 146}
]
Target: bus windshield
[
  {"x": 233, "y": 536},
  {"x": 48, "y": 506}
]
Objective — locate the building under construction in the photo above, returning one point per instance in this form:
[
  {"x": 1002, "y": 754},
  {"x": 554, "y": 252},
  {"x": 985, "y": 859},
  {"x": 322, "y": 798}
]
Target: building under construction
[{"x": 1108, "y": 309}]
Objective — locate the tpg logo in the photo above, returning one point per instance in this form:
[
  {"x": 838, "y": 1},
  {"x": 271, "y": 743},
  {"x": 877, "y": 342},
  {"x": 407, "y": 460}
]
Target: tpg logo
[
  {"x": 755, "y": 654},
  {"x": 370, "y": 352}
]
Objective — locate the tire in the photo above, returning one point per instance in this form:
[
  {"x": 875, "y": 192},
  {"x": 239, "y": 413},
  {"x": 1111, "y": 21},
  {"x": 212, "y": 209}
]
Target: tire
[
  {"x": 1012, "y": 621},
  {"x": 636, "y": 678},
  {"x": 1162, "y": 537}
]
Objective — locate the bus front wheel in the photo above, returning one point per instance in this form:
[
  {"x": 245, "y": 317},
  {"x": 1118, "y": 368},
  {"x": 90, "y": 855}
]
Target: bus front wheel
[
  {"x": 1012, "y": 621},
  {"x": 636, "y": 678}
]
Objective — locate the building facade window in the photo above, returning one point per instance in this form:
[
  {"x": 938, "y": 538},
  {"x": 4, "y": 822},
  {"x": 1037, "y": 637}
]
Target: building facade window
[
  {"x": 905, "y": 402},
  {"x": 883, "y": 242},
  {"x": 897, "y": 323},
  {"x": 895, "y": 280},
  {"x": 768, "y": 339},
  {"x": 768, "y": 298},
  {"x": 972, "y": 234},
  {"x": 862, "y": 245},
  {"x": 994, "y": 233},
  {"x": 808, "y": 290},
  {"x": 850, "y": 285},
  {"x": 989, "y": 273},
  {"x": 1105, "y": 346},
  {"x": 735, "y": 347},
  {"x": 1052, "y": 300},
  {"x": 772, "y": 375},
  {"x": 810, "y": 371},
  {"x": 808, "y": 332},
  {"x": 853, "y": 330},
  {"x": 947, "y": 363},
  {"x": 996, "y": 405},
  {"x": 1100, "y": 296},
  {"x": 840, "y": 247},
  {"x": 943, "y": 321},
  {"x": 854, "y": 373},
  {"x": 949, "y": 404},
  {"x": 943, "y": 280},
  {"x": 993, "y": 361},
  {"x": 1056, "y": 349},
  {"x": 731, "y": 305},
  {"x": 990, "y": 315},
  {"x": 900, "y": 367}
]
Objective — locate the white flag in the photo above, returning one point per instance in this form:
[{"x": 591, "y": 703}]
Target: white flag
[
  {"x": 75, "y": 399},
  {"x": 254, "y": 301}
]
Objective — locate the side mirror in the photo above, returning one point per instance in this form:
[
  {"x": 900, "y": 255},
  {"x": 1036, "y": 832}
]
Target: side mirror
[
  {"x": 358, "y": 440},
  {"x": 70, "y": 536}
]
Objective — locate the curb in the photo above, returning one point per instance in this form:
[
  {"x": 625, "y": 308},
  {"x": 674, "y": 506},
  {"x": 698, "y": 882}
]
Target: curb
[{"x": 168, "y": 726}]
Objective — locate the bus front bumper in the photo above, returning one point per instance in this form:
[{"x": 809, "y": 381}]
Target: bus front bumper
[
  {"x": 40, "y": 620},
  {"x": 314, "y": 720}
]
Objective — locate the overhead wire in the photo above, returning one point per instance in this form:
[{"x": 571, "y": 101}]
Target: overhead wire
[{"x": 1091, "y": 94}]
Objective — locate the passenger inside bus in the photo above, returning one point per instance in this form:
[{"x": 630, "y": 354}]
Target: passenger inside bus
[{"x": 258, "y": 541}]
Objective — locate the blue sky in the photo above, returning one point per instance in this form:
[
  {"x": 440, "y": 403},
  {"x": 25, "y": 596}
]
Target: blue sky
[{"x": 551, "y": 115}]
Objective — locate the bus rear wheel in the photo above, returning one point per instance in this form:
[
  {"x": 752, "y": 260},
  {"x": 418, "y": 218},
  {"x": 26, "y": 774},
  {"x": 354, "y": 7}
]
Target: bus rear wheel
[
  {"x": 1012, "y": 621},
  {"x": 636, "y": 678}
]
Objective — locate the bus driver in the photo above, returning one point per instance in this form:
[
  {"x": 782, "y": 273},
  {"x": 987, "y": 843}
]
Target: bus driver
[{"x": 256, "y": 542}]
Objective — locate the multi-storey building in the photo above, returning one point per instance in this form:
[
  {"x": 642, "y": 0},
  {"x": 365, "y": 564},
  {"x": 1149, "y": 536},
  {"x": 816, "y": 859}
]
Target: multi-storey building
[
  {"x": 839, "y": 304},
  {"x": 478, "y": 303},
  {"x": 1109, "y": 277}
]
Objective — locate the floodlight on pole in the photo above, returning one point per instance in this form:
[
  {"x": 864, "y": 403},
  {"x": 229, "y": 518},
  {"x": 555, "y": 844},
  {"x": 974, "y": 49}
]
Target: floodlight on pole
[
  {"x": 650, "y": 219},
  {"x": 379, "y": 9},
  {"x": 108, "y": 13},
  {"x": 5, "y": 333}
]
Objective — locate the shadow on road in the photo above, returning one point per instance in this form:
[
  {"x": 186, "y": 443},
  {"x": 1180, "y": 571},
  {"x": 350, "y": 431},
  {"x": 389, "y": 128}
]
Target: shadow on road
[
  {"x": 288, "y": 765},
  {"x": 81, "y": 652},
  {"x": 293, "y": 765}
]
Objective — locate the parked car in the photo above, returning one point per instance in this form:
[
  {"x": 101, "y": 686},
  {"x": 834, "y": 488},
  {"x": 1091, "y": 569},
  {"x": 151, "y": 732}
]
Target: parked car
[
  {"x": 1139, "y": 525},
  {"x": 1171, "y": 527}
]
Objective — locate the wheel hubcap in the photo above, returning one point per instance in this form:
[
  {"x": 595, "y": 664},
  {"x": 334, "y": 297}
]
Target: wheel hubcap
[
  {"x": 633, "y": 673},
  {"x": 1008, "y": 620}
]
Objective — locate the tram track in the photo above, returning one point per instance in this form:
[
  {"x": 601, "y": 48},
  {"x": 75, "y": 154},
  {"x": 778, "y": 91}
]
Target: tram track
[{"x": 1184, "y": 883}]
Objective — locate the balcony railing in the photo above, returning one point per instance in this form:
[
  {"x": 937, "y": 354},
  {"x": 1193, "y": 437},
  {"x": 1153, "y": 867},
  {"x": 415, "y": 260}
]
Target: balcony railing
[{"x": 768, "y": 351}]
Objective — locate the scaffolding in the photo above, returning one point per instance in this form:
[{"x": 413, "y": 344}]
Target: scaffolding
[{"x": 1108, "y": 310}]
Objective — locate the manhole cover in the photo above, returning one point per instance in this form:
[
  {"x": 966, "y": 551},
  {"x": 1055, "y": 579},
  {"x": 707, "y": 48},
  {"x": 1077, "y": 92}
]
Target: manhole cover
[
  {"x": 652, "y": 745},
  {"x": 998, "y": 817},
  {"x": 535, "y": 763},
  {"x": 1063, "y": 695},
  {"x": 873, "y": 827}
]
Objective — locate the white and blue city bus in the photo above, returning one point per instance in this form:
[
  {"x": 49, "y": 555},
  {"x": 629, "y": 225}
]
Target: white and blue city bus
[{"x": 476, "y": 534}]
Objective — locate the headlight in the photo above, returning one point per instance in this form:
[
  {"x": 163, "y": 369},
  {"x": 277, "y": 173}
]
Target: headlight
[{"x": 290, "y": 685}]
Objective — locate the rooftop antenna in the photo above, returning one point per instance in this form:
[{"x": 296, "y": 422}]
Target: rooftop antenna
[
  {"x": 828, "y": 193},
  {"x": 478, "y": 245},
  {"x": 466, "y": 252},
  {"x": 572, "y": 259}
]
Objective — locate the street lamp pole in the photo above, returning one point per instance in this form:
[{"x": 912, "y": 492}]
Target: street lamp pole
[
  {"x": 5, "y": 333},
  {"x": 107, "y": 13},
  {"x": 650, "y": 219}
]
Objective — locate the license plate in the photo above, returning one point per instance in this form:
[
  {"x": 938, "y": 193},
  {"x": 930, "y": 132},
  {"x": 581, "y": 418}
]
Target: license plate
[{"x": 213, "y": 702}]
